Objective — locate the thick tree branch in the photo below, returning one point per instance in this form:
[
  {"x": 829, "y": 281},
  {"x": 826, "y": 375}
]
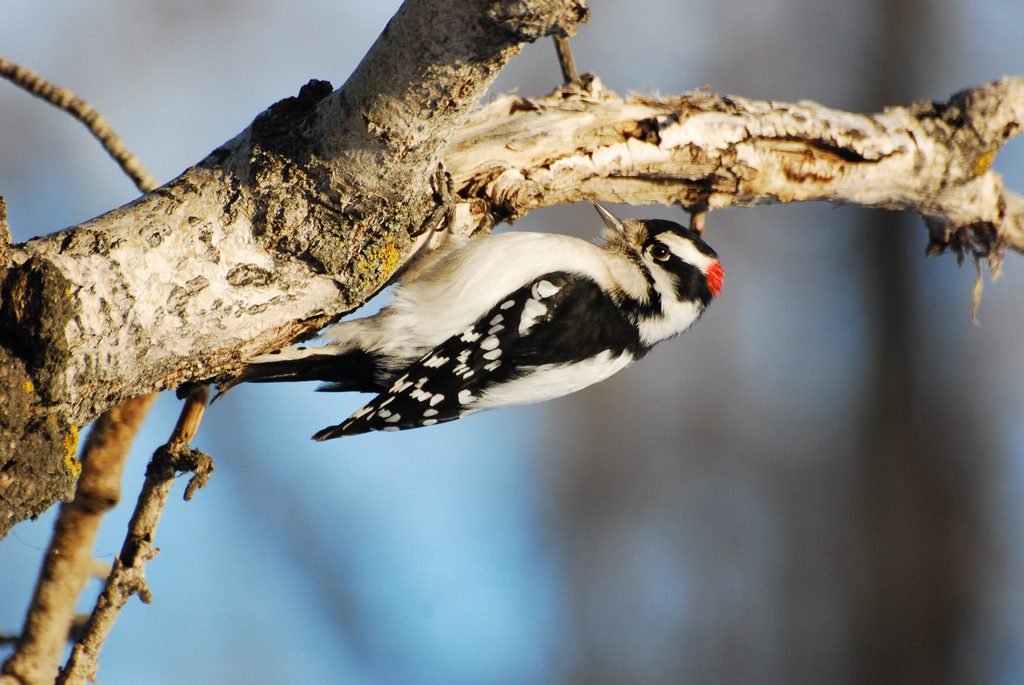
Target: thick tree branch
[
  {"x": 298, "y": 219},
  {"x": 710, "y": 151}
]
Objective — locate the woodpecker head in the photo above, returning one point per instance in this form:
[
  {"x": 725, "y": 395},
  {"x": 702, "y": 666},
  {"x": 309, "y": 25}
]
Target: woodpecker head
[{"x": 681, "y": 271}]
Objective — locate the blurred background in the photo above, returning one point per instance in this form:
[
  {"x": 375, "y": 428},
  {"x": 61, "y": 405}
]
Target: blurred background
[{"x": 821, "y": 483}]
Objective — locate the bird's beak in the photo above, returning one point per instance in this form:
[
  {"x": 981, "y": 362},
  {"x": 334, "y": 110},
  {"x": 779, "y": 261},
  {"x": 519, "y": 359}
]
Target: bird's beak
[{"x": 610, "y": 220}]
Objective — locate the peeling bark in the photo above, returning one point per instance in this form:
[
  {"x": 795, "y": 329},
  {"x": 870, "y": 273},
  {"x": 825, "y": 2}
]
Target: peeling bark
[{"x": 706, "y": 151}]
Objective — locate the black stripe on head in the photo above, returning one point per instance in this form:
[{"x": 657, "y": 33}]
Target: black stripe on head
[
  {"x": 658, "y": 226},
  {"x": 690, "y": 281}
]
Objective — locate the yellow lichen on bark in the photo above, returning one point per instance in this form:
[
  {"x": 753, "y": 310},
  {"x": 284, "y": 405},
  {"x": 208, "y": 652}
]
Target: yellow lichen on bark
[
  {"x": 984, "y": 162},
  {"x": 70, "y": 450}
]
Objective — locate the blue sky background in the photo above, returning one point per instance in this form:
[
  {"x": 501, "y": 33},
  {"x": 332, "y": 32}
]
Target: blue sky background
[{"x": 640, "y": 531}]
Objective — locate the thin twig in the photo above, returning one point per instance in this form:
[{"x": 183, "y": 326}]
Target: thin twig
[
  {"x": 69, "y": 564},
  {"x": 128, "y": 577},
  {"x": 81, "y": 110},
  {"x": 565, "y": 60},
  {"x": 698, "y": 219}
]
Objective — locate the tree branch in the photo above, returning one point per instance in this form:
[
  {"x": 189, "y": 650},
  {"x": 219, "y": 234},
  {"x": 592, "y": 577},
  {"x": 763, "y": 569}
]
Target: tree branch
[
  {"x": 128, "y": 577},
  {"x": 64, "y": 99},
  {"x": 295, "y": 221},
  {"x": 710, "y": 151},
  {"x": 565, "y": 60},
  {"x": 69, "y": 563}
]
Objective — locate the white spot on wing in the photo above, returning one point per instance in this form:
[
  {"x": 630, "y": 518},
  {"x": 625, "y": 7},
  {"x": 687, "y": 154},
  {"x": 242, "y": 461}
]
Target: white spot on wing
[
  {"x": 532, "y": 311},
  {"x": 466, "y": 396},
  {"x": 434, "y": 362},
  {"x": 542, "y": 290},
  {"x": 429, "y": 422},
  {"x": 497, "y": 319},
  {"x": 470, "y": 335},
  {"x": 507, "y": 304},
  {"x": 430, "y": 412},
  {"x": 401, "y": 385},
  {"x": 489, "y": 343},
  {"x": 492, "y": 354}
]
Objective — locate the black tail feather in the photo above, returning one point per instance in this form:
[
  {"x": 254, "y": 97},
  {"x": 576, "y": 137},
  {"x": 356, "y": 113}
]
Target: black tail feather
[{"x": 356, "y": 370}]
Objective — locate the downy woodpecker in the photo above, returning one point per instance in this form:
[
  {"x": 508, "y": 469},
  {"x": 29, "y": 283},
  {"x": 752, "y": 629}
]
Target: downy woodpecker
[{"x": 508, "y": 319}]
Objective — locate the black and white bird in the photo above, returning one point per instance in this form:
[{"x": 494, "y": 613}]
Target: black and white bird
[{"x": 508, "y": 319}]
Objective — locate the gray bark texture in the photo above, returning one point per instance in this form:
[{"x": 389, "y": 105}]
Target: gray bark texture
[
  {"x": 314, "y": 207},
  {"x": 296, "y": 220}
]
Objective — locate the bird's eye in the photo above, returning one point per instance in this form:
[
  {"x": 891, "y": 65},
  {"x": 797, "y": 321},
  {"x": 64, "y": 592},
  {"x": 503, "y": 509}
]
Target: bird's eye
[{"x": 660, "y": 252}]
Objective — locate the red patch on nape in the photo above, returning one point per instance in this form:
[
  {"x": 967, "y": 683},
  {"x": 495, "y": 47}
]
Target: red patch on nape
[{"x": 715, "y": 275}]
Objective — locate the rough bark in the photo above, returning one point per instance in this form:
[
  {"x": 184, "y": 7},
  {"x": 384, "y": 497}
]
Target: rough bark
[
  {"x": 702, "y": 150},
  {"x": 310, "y": 210},
  {"x": 295, "y": 221}
]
